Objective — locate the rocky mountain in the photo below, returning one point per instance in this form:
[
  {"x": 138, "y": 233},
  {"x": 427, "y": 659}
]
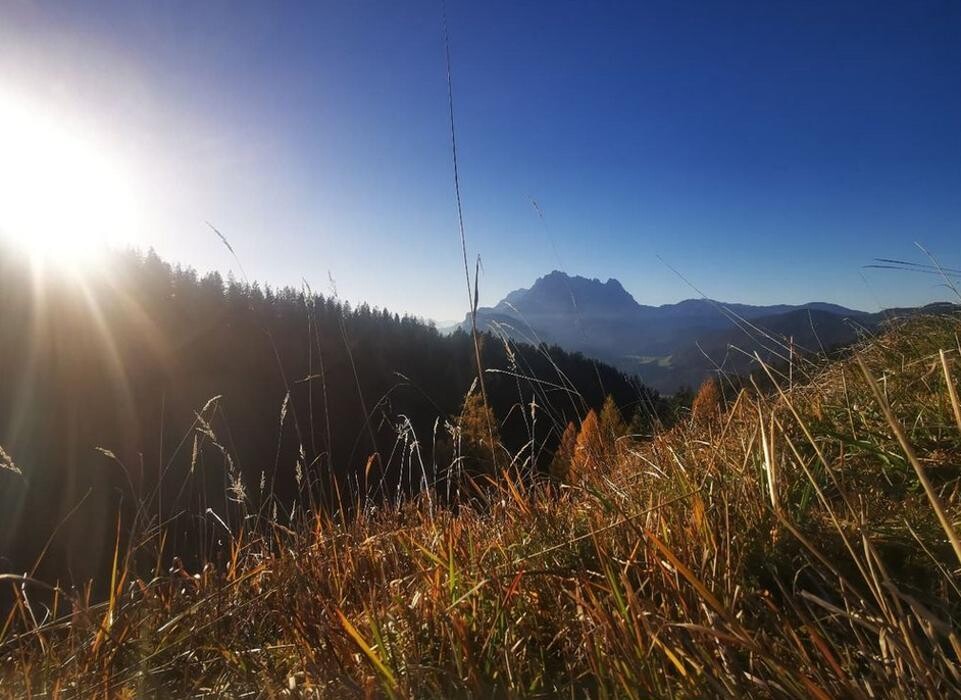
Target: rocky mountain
[{"x": 670, "y": 345}]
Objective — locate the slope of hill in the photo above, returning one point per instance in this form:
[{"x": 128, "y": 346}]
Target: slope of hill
[
  {"x": 658, "y": 343},
  {"x": 303, "y": 389},
  {"x": 792, "y": 335},
  {"x": 799, "y": 545}
]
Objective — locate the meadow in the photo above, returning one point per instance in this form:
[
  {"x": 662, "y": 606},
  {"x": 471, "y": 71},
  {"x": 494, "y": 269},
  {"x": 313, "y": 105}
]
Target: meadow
[{"x": 795, "y": 535}]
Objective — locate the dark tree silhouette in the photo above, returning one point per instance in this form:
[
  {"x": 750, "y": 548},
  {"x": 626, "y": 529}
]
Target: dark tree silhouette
[{"x": 215, "y": 399}]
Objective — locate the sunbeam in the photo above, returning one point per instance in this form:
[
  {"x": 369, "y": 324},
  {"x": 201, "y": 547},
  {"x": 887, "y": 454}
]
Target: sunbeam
[{"x": 65, "y": 195}]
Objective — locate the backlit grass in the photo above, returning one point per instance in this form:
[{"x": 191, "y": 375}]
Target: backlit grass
[{"x": 786, "y": 547}]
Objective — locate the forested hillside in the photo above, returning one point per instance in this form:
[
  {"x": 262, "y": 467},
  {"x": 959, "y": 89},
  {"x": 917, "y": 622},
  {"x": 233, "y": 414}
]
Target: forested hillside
[
  {"x": 226, "y": 391},
  {"x": 802, "y": 544}
]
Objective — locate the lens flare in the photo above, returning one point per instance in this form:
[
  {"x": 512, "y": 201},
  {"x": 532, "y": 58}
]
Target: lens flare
[{"x": 64, "y": 196}]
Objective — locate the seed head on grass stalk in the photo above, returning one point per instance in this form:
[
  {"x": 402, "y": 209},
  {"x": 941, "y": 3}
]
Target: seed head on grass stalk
[{"x": 472, "y": 298}]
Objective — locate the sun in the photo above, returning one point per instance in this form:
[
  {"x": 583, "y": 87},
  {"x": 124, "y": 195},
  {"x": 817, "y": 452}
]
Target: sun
[{"x": 64, "y": 197}]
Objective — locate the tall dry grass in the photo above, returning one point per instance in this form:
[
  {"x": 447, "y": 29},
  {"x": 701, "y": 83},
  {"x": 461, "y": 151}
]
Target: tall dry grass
[{"x": 799, "y": 544}]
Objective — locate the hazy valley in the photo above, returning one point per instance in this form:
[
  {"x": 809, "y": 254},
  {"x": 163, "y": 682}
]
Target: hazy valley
[{"x": 675, "y": 345}]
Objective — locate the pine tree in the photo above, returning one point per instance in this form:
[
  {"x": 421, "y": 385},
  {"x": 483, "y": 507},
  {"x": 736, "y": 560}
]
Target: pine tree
[
  {"x": 679, "y": 404},
  {"x": 707, "y": 403},
  {"x": 564, "y": 456},
  {"x": 612, "y": 423},
  {"x": 641, "y": 423},
  {"x": 479, "y": 435},
  {"x": 589, "y": 448}
]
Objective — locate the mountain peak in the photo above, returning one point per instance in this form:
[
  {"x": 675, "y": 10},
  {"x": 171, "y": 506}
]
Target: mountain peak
[
  {"x": 558, "y": 291},
  {"x": 603, "y": 320}
]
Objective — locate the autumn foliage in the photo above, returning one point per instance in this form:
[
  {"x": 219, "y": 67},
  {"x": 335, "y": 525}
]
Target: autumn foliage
[
  {"x": 594, "y": 444},
  {"x": 589, "y": 448},
  {"x": 707, "y": 402},
  {"x": 479, "y": 435}
]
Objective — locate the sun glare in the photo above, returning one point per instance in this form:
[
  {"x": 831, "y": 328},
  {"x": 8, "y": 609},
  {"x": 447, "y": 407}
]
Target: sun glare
[{"x": 64, "y": 197}]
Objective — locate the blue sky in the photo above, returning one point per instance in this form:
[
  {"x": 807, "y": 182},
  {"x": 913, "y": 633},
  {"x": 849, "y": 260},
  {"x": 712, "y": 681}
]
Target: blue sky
[{"x": 766, "y": 150}]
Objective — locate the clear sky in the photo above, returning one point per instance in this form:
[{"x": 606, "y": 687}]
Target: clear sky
[{"x": 766, "y": 150}]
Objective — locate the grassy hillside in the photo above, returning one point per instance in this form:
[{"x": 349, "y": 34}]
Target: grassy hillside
[
  {"x": 300, "y": 387},
  {"x": 785, "y": 545}
]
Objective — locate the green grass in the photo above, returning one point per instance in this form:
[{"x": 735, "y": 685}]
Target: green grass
[{"x": 787, "y": 548}]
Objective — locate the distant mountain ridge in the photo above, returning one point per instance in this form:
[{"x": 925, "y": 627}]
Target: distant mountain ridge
[
  {"x": 555, "y": 290},
  {"x": 668, "y": 345}
]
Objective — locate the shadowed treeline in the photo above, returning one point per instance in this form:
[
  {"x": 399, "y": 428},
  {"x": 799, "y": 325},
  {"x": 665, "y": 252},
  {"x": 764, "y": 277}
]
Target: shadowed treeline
[
  {"x": 800, "y": 543},
  {"x": 228, "y": 393}
]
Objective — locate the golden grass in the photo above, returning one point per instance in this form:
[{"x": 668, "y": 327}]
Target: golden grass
[{"x": 797, "y": 545}]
